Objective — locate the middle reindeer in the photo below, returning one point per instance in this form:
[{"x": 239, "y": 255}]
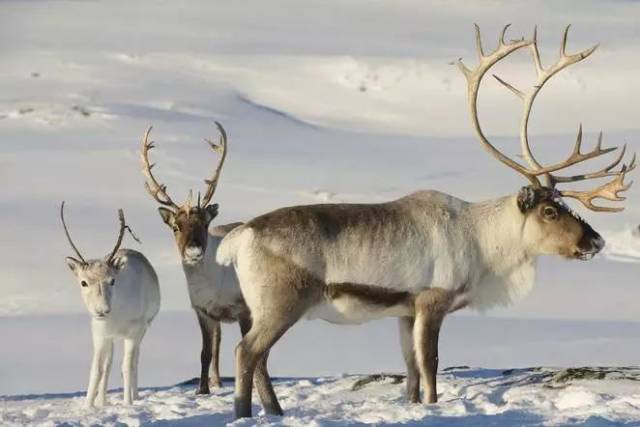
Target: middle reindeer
[{"x": 214, "y": 291}]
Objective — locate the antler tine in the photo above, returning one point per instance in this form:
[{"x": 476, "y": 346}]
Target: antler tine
[
  {"x": 66, "y": 231},
  {"x": 479, "y": 49},
  {"x": 608, "y": 191},
  {"x": 222, "y": 149},
  {"x": 536, "y": 53},
  {"x": 156, "y": 190},
  {"x": 576, "y": 56},
  {"x": 474, "y": 77},
  {"x": 604, "y": 172},
  {"x": 123, "y": 227}
]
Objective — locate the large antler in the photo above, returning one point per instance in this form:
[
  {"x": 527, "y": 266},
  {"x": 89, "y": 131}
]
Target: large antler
[
  {"x": 213, "y": 182},
  {"x": 474, "y": 77},
  {"x": 158, "y": 191},
  {"x": 123, "y": 227},
  {"x": 607, "y": 191},
  {"x": 66, "y": 231}
]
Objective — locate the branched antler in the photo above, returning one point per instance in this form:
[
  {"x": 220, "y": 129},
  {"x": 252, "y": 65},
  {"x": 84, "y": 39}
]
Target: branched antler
[
  {"x": 534, "y": 170},
  {"x": 158, "y": 191}
]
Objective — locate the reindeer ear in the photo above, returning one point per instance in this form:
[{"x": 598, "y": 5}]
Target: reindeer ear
[
  {"x": 119, "y": 261},
  {"x": 211, "y": 212},
  {"x": 74, "y": 264},
  {"x": 527, "y": 198},
  {"x": 167, "y": 216}
]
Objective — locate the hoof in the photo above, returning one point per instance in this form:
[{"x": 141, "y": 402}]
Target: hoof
[{"x": 215, "y": 383}]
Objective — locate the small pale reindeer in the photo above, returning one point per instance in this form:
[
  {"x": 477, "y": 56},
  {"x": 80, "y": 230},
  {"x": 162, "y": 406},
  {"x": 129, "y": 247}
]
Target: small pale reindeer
[
  {"x": 420, "y": 257},
  {"x": 214, "y": 291},
  {"x": 122, "y": 296}
]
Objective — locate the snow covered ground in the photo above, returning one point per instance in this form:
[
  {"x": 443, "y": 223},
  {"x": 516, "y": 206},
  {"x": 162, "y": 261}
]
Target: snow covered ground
[
  {"x": 323, "y": 101},
  {"x": 525, "y": 397}
]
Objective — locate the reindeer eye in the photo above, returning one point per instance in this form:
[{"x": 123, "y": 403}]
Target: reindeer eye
[
  {"x": 550, "y": 212},
  {"x": 112, "y": 282},
  {"x": 84, "y": 284}
]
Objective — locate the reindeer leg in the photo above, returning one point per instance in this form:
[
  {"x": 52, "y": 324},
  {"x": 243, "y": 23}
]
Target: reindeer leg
[
  {"x": 205, "y": 355},
  {"x": 216, "y": 337},
  {"x": 106, "y": 370},
  {"x": 130, "y": 345},
  {"x": 96, "y": 373},
  {"x": 431, "y": 306},
  {"x": 264, "y": 386},
  {"x": 136, "y": 361},
  {"x": 405, "y": 325}
]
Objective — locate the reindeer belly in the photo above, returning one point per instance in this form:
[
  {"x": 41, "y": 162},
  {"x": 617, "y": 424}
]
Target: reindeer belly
[{"x": 346, "y": 303}]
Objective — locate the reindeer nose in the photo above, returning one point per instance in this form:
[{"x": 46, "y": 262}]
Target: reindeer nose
[
  {"x": 598, "y": 243},
  {"x": 103, "y": 312},
  {"x": 193, "y": 252}
]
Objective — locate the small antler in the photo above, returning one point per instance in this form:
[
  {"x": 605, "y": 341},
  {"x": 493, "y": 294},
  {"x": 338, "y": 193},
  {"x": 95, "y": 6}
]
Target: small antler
[
  {"x": 158, "y": 191},
  {"x": 123, "y": 227},
  {"x": 213, "y": 182},
  {"x": 66, "y": 231}
]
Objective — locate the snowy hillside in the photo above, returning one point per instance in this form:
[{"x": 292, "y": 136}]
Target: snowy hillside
[{"x": 524, "y": 397}]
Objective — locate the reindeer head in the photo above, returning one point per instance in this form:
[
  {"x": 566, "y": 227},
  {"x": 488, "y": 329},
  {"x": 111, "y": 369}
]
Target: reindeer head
[
  {"x": 97, "y": 277},
  {"x": 189, "y": 223},
  {"x": 550, "y": 226}
]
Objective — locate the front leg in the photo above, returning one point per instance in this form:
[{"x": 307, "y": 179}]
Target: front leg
[
  {"x": 97, "y": 368},
  {"x": 129, "y": 368},
  {"x": 136, "y": 362},
  {"x": 106, "y": 370},
  {"x": 216, "y": 336},
  {"x": 206, "y": 353},
  {"x": 405, "y": 325},
  {"x": 431, "y": 306}
]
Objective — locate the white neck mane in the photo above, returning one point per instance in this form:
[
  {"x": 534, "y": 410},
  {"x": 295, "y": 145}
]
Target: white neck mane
[{"x": 508, "y": 271}]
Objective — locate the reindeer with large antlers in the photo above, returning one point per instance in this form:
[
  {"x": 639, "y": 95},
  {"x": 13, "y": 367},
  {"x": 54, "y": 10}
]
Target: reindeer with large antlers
[
  {"x": 213, "y": 288},
  {"x": 417, "y": 258},
  {"x": 122, "y": 295}
]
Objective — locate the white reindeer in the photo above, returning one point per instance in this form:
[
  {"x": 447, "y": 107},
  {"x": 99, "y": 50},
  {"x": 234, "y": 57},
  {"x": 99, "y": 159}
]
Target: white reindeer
[
  {"x": 122, "y": 296},
  {"x": 214, "y": 291},
  {"x": 419, "y": 257}
]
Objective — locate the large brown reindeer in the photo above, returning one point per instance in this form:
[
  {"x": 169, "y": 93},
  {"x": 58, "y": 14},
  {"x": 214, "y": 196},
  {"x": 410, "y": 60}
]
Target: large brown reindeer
[
  {"x": 420, "y": 257},
  {"x": 213, "y": 289}
]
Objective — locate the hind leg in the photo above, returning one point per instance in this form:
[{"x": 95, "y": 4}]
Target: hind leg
[
  {"x": 277, "y": 293},
  {"x": 261, "y": 377},
  {"x": 431, "y": 307}
]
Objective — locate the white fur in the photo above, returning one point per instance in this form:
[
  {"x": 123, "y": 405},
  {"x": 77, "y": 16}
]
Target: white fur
[
  {"x": 213, "y": 287},
  {"x": 123, "y": 310},
  {"x": 227, "y": 249}
]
